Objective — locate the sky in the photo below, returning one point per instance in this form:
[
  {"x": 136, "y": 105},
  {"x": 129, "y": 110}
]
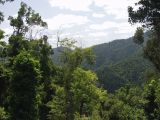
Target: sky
[{"x": 89, "y": 22}]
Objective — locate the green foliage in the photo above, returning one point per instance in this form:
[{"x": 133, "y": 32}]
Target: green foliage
[
  {"x": 152, "y": 95},
  {"x": 121, "y": 111},
  {"x": 78, "y": 87},
  {"x": 4, "y": 84},
  {"x": 133, "y": 69},
  {"x": 138, "y": 36},
  {"x": 85, "y": 92},
  {"x": 152, "y": 51},
  {"x": 57, "y": 104},
  {"x": 48, "y": 73},
  {"x": 86, "y": 97},
  {"x": 38, "y": 90},
  {"x": 24, "y": 84},
  {"x": 126, "y": 104},
  {"x": 89, "y": 56},
  {"x": 3, "y": 114},
  {"x": 25, "y": 19},
  {"x": 22, "y": 40},
  {"x": 115, "y": 69},
  {"x": 148, "y": 15},
  {"x": 134, "y": 103},
  {"x": 16, "y": 45},
  {"x": 1, "y": 34},
  {"x": 94, "y": 116}
]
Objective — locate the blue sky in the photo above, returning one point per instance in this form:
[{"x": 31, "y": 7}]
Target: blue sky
[{"x": 89, "y": 22}]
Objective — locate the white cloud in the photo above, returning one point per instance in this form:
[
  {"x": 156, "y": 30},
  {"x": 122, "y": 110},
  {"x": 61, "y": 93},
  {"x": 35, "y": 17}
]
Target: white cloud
[
  {"x": 125, "y": 28},
  {"x": 8, "y": 31},
  {"x": 69, "y": 35},
  {"x": 120, "y": 28},
  {"x": 98, "y": 34},
  {"x": 75, "y": 5},
  {"x": 113, "y": 7},
  {"x": 103, "y": 26},
  {"x": 95, "y": 33},
  {"x": 98, "y": 15},
  {"x": 66, "y": 21}
]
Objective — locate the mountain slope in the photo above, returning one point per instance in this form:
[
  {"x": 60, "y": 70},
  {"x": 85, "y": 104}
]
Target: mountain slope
[
  {"x": 120, "y": 62},
  {"x": 113, "y": 52}
]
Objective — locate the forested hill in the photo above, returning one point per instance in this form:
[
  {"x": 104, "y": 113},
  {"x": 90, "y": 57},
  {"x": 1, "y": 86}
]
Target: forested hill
[
  {"x": 120, "y": 62},
  {"x": 113, "y": 52},
  {"x": 38, "y": 82}
]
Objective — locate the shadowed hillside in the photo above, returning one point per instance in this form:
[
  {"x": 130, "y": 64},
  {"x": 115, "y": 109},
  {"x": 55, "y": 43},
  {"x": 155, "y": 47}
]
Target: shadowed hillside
[{"x": 120, "y": 62}]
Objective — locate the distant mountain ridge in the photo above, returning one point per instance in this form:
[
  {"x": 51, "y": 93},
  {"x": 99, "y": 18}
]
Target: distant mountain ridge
[
  {"x": 114, "y": 51},
  {"x": 118, "y": 63}
]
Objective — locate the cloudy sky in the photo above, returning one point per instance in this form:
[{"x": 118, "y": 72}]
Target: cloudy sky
[{"x": 90, "y": 22}]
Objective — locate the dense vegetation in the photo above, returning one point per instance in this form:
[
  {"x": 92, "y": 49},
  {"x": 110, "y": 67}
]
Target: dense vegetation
[
  {"x": 121, "y": 62},
  {"x": 33, "y": 87},
  {"x": 118, "y": 63}
]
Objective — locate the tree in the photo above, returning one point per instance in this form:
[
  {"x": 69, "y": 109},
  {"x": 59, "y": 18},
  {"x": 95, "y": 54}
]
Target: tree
[
  {"x": 22, "y": 40},
  {"x": 87, "y": 96},
  {"x": 138, "y": 36},
  {"x": 21, "y": 24},
  {"x": 77, "y": 89},
  {"x": 48, "y": 73},
  {"x": 24, "y": 98},
  {"x": 151, "y": 107},
  {"x": 71, "y": 60},
  {"x": 57, "y": 104},
  {"x": 126, "y": 104},
  {"x": 25, "y": 19},
  {"x": 149, "y": 16}
]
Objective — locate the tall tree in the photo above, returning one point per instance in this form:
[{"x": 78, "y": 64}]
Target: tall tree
[
  {"x": 21, "y": 24},
  {"x": 24, "y": 84},
  {"x": 149, "y": 16},
  {"x": 48, "y": 73},
  {"x": 76, "y": 91},
  {"x": 22, "y": 39},
  {"x": 71, "y": 60}
]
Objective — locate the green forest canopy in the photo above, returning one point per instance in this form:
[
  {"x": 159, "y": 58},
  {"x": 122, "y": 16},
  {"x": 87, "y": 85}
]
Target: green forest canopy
[{"x": 33, "y": 87}]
